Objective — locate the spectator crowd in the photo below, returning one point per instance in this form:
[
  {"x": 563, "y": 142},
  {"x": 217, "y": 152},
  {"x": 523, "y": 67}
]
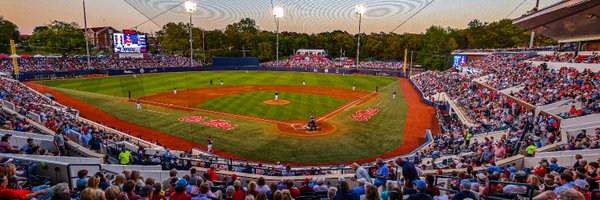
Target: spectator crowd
[{"x": 96, "y": 63}]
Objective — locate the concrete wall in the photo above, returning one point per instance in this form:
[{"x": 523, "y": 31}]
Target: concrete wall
[
  {"x": 565, "y": 158},
  {"x": 579, "y": 66}
]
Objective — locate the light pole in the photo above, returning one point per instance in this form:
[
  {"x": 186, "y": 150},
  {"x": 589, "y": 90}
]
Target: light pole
[
  {"x": 537, "y": 4},
  {"x": 278, "y": 13},
  {"x": 190, "y": 7},
  {"x": 87, "y": 45},
  {"x": 360, "y": 10}
]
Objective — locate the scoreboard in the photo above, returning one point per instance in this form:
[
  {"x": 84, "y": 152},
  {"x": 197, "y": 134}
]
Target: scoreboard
[{"x": 129, "y": 42}]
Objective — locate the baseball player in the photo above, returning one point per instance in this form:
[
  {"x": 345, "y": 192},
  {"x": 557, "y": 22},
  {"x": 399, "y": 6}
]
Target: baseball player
[
  {"x": 139, "y": 105},
  {"x": 174, "y": 90},
  {"x": 353, "y": 87},
  {"x": 221, "y": 82},
  {"x": 394, "y": 95},
  {"x": 303, "y": 82},
  {"x": 209, "y": 144},
  {"x": 276, "y": 95}
]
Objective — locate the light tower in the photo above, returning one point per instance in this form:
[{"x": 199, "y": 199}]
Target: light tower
[
  {"x": 278, "y": 13},
  {"x": 190, "y": 7},
  {"x": 360, "y": 10}
]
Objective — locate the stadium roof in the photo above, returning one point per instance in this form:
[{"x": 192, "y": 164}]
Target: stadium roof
[{"x": 567, "y": 21}]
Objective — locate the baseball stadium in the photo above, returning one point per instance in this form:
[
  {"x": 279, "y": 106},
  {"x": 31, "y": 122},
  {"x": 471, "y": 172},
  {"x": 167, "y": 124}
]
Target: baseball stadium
[{"x": 305, "y": 100}]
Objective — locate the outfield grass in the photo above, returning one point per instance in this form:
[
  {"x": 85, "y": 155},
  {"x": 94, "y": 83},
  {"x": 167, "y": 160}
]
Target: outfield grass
[
  {"x": 353, "y": 140},
  {"x": 251, "y": 103},
  {"x": 149, "y": 84}
]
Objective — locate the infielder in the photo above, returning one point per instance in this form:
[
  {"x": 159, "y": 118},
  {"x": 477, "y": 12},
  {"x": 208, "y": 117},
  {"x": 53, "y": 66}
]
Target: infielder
[
  {"x": 276, "y": 95},
  {"x": 174, "y": 90},
  {"x": 303, "y": 82},
  {"x": 221, "y": 82},
  {"x": 394, "y": 95},
  {"x": 139, "y": 105},
  {"x": 353, "y": 87}
]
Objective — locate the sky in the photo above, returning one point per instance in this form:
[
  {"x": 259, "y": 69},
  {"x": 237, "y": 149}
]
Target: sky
[{"x": 308, "y": 16}]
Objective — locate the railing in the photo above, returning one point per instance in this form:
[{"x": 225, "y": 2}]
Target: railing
[
  {"x": 69, "y": 172},
  {"x": 503, "y": 196},
  {"x": 448, "y": 182},
  {"x": 75, "y": 147}
]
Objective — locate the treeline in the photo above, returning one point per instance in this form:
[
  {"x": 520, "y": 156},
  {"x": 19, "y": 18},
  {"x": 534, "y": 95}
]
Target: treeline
[
  {"x": 432, "y": 48},
  {"x": 244, "y": 38}
]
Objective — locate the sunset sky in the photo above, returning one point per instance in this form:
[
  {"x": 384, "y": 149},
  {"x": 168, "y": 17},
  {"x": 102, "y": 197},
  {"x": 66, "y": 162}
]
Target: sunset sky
[{"x": 308, "y": 16}]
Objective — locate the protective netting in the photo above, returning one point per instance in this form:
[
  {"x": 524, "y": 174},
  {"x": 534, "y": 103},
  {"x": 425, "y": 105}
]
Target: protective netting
[
  {"x": 300, "y": 15},
  {"x": 313, "y": 16}
]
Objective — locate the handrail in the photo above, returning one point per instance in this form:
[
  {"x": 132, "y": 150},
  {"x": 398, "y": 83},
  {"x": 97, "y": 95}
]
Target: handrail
[
  {"x": 75, "y": 145},
  {"x": 448, "y": 187},
  {"x": 529, "y": 192},
  {"x": 72, "y": 177}
]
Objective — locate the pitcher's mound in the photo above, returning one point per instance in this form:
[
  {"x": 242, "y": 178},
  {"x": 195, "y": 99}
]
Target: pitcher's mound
[{"x": 278, "y": 102}]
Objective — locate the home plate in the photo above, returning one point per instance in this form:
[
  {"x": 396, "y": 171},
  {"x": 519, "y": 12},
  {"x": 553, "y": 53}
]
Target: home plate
[{"x": 298, "y": 126}]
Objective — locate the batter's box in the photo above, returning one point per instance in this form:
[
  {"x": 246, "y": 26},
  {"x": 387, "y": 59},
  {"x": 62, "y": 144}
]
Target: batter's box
[{"x": 298, "y": 126}]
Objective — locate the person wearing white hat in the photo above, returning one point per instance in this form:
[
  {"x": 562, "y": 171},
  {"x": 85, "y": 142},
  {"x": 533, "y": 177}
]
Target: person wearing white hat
[
  {"x": 320, "y": 187},
  {"x": 360, "y": 189}
]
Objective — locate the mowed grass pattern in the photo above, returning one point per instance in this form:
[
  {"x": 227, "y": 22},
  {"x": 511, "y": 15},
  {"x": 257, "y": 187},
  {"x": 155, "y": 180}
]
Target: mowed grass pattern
[
  {"x": 352, "y": 141},
  {"x": 148, "y": 84},
  {"x": 251, "y": 103}
]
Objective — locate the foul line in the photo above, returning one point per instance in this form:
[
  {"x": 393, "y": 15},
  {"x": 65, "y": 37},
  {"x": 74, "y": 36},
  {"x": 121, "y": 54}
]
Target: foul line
[
  {"x": 84, "y": 92},
  {"x": 353, "y": 103},
  {"x": 154, "y": 111}
]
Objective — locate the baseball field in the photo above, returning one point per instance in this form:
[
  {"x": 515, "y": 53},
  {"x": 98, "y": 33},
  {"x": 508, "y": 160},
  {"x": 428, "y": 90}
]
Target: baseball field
[{"x": 181, "y": 110}]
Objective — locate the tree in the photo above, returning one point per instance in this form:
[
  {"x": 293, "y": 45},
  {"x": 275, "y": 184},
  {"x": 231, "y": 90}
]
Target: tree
[
  {"x": 8, "y": 31},
  {"x": 59, "y": 37},
  {"x": 436, "y": 50},
  {"x": 265, "y": 50},
  {"x": 475, "y": 23},
  {"x": 432, "y": 48},
  {"x": 241, "y": 35},
  {"x": 174, "y": 37}
]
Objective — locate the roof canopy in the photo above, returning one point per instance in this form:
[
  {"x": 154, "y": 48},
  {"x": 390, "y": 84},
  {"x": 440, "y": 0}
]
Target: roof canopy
[{"x": 567, "y": 21}]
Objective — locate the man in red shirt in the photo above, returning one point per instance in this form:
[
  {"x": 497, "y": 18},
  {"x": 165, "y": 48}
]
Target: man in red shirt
[
  {"x": 496, "y": 188},
  {"x": 239, "y": 194},
  {"x": 293, "y": 190},
  {"x": 541, "y": 170},
  {"x": 583, "y": 187},
  {"x": 212, "y": 174},
  {"x": 180, "y": 191},
  {"x": 305, "y": 187},
  {"x": 16, "y": 194}
]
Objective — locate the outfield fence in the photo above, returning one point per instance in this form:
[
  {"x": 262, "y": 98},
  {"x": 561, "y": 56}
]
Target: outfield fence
[{"x": 101, "y": 72}]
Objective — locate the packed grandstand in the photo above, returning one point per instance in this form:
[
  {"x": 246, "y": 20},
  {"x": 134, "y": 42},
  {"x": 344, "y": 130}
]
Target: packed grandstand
[{"x": 515, "y": 123}]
